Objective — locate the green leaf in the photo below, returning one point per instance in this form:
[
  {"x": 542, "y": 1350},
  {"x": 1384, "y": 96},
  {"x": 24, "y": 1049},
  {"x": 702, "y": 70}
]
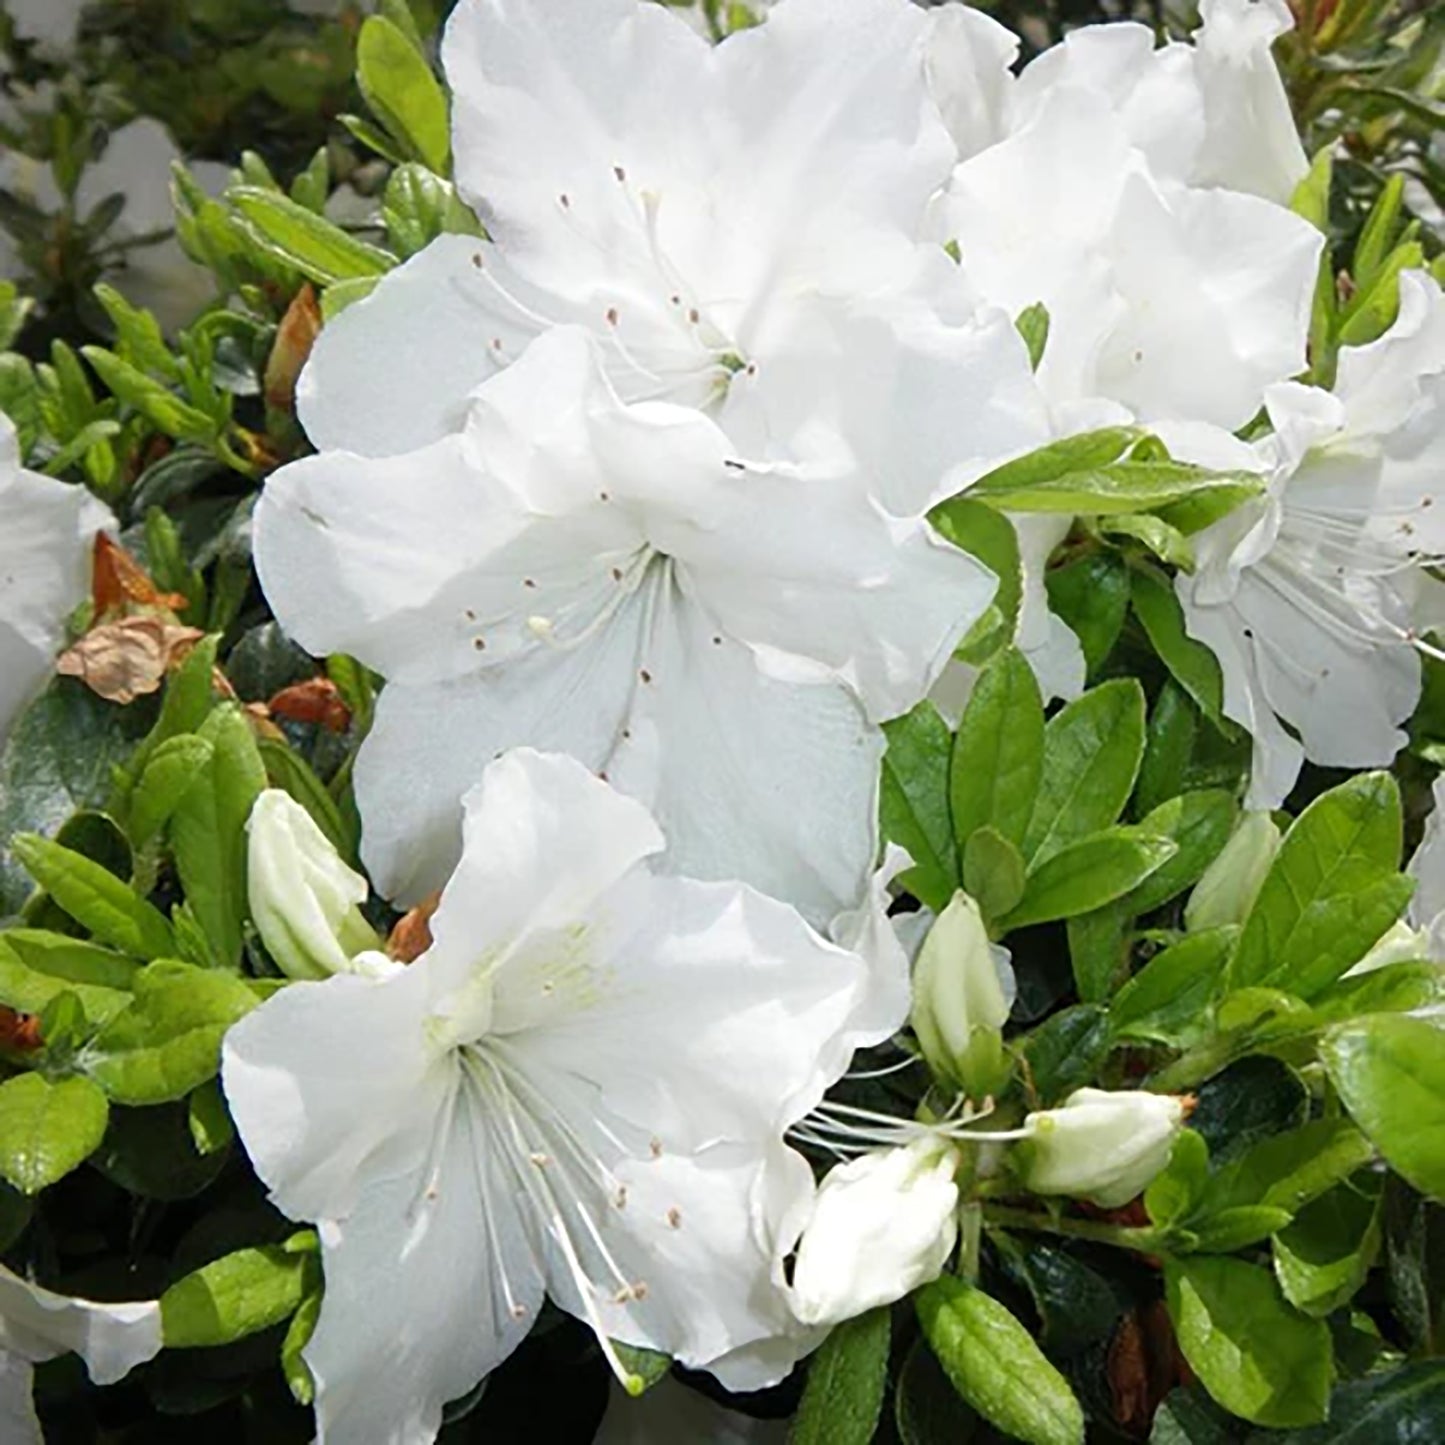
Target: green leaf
[
  {"x": 1032, "y": 323},
  {"x": 1330, "y": 893},
  {"x": 1084, "y": 875},
  {"x": 403, "y": 93},
  {"x": 1168, "y": 748},
  {"x": 1091, "y": 596},
  {"x": 419, "y": 206},
  {"x": 1395, "y": 988},
  {"x": 990, "y": 537},
  {"x": 96, "y": 898},
  {"x": 1099, "y": 948},
  {"x": 926, "y": 1407},
  {"x": 208, "y": 833},
  {"x": 162, "y": 408},
  {"x": 139, "y": 334},
  {"x": 1234, "y": 1228},
  {"x": 1255, "y": 1355},
  {"x": 36, "y": 967},
  {"x": 288, "y": 770},
  {"x": 168, "y": 1042},
  {"x": 993, "y": 872},
  {"x": 1092, "y": 750},
  {"x": 152, "y": 1153},
  {"x": 913, "y": 804},
  {"x": 1164, "y": 540},
  {"x": 320, "y": 251},
  {"x": 1168, "y": 999},
  {"x": 1173, "y": 1192},
  {"x": 1192, "y": 665},
  {"x": 1377, "y": 237},
  {"x": 996, "y": 1366},
  {"x": 1389, "y": 1070},
  {"x": 1190, "y": 1417},
  {"x": 1311, "y": 197},
  {"x": 645, "y": 1367},
  {"x": 1323, "y": 1257},
  {"x": 1405, "y": 1406},
  {"x": 1064, "y": 1051},
  {"x": 843, "y": 1398},
  {"x": 58, "y": 757},
  {"x": 1078, "y": 1306},
  {"x": 1247, "y": 1102},
  {"x": 209, "y": 1119},
  {"x": 238, "y": 1295},
  {"x": 1116, "y": 487},
  {"x": 999, "y": 751},
  {"x": 298, "y": 1336},
  {"x": 1060, "y": 459},
  {"x": 1199, "y": 823},
  {"x": 1288, "y": 1170},
  {"x": 169, "y": 774},
  {"x": 46, "y": 1129}
]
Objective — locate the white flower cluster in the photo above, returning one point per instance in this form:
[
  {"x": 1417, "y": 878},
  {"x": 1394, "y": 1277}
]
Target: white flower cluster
[{"x": 627, "y": 503}]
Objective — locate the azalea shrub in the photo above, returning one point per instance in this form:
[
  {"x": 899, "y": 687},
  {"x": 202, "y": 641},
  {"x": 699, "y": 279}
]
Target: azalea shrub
[{"x": 720, "y": 722}]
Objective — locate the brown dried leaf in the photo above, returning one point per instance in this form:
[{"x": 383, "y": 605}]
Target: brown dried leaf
[
  {"x": 295, "y": 337},
  {"x": 412, "y": 935},
  {"x": 317, "y": 700},
  {"x": 19, "y": 1033},
  {"x": 119, "y": 582},
  {"x": 121, "y": 661}
]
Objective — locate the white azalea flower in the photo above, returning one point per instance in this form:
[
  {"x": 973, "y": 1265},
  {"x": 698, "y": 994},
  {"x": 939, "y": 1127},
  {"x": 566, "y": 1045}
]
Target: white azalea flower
[
  {"x": 1427, "y": 868},
  {"x": 1172, "y": 301},
  {"x": 612, "y": 581},
  {"x": 1310, "y": 595},
  {"x": 47, "y": 532},
  {"x": 580, "y": 1090},
  {"x": 738, "y": 224},
  {"x": 37, "y": 1325},
  {"x": 50, "y": 24}
]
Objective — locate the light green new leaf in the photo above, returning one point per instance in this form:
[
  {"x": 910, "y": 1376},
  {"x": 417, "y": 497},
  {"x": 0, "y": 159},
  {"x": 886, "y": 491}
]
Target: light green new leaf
[
  {"x": 169, "y": 773},
  {"x": 168, "y": 1041},
  {"x": 37, "y": 966},
  {"x": 1390, "y": 1071},
  {"x": 238, "y": 1295},
  {"x": 1092, "y": 750},
  {"x": 46, "y": 1129},
  {"x": 843, "y": 1398},
  {"x": 403, "y": 93},
  {"x": 96, "y": 898},
  {"x": 994, "y": 1363},
  {"x": 320, "y": 251},
  {"x": 1258, "y": 1357},
  {"x": 208, "y": 833},
  {"x": 993, "y": 872}
]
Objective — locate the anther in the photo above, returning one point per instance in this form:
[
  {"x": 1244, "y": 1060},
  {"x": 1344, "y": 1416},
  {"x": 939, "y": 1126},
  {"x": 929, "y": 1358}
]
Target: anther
[{"x": 674, "y": 1218}]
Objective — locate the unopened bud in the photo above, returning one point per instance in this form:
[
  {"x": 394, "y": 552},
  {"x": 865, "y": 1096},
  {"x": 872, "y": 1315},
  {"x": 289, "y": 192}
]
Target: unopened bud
[
  {"x": 960, "y": 1002},
  {"x": 1100, "y": 1146},
  {"x": 882, "y": 1225},
  {"x": 1231, "y": 883},
  {"x": 304, "y": 899}
]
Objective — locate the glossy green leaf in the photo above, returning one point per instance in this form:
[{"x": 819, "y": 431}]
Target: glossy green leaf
[
  {"x": 1389, "y": 1069},
  {"x": 46, "y": 1129},
  {"x": 36, "y": 966},
  {"x": 1324, "y": 1256},
  {"x": 1255, "y": 1354},
  {"x": 993, "y": 872},
  {"x": 403, "y": 93},
  {"x": 843, "y": 1399},
  {"x": 990, "y": 537},
  {"x": 913, "y": 804},
  {"x": 1092, "y": 750},
  {"x": 169, "y": 774},
  {"x": 1404, "y": 1406},
  {"x": 998, "y": 753},
  {"x": 238, "y": 1295},
  {"x": 1088, "y": 873},
  {"x": 1192, "y": 665},
  {"x": 1168, "y": 999},
  {"x": 320, "y": 251},
  {"x": 996, "y": 1366},
  {"x": 1091, "y": 597}
]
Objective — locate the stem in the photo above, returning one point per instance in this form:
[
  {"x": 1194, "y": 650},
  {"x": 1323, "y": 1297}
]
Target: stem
[
  {"x": 1121, "y": 1236},
  {"x": 970, "y": 1236}
]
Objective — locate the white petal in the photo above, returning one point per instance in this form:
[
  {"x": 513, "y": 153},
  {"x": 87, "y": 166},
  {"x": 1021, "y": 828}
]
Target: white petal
[
  {"x": 47, "y": 530},
  {"x": 1051, "y": 646},
  {"x": 1251, "y": 142},
  {"x": 320, "y": 1131},
  {"x": 19, "y": 1424},
  {"x": 969, "y": 59},
  {"x": 1427, "y": 867},
  {"x": 112, "y": 1339},
  {"x": 749, "y": 777},
  {"x": 416, "y": 1309},
  {"x": 869, "y": 932}
]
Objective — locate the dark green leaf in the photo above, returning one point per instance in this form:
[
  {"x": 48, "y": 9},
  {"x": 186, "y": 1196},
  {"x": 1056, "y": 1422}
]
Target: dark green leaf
[
  {"x": 1091, "y": 596},
  {"x": 1168, "y": 999},
  {"x": 1399, "y": 1407},
  {"x": 998, "y": 752},
  {"x": 914, "y": 807},
  {"x": 1323, "y": 1257},
  {"x": 1193, "y": 666},
  {"x": 1084, "y": 875},
  {"x": 993, "y": 872},
  {"x": 844, "y": 1395},
  {"x": 1063, "y": 1052}
]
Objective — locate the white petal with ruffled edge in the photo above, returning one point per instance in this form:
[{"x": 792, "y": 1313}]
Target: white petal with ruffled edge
[{"x": 37, "y": 1324}]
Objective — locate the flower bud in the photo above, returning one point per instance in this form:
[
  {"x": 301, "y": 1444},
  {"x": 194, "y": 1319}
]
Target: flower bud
[
  {"x": 959, "y": 999},
  {"x": 304, "y": 899},
  {"x": 1100, "y": 1146},
  {"x": 1398, "y": 944},
  {"x": 1231, "y": 883},
  {"x": 882, "y": 1225}
]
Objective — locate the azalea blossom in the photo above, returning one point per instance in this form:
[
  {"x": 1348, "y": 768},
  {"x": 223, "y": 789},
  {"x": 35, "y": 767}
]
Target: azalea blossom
[
  {"x": 716, "y": 636},
  {"x": 1313, "y": 596},
  {"x": 38, "y": 1325},
  {"x": 47, "y": 532},
  {"x": 579, "y": 1090},
  {"x": 740, "y": 226}
]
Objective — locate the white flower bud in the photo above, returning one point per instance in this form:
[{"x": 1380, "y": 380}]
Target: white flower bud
[
  {"x": 304, "y": 899},
  {"x": 960, "y": 1002},
  {"x": 1100, "y": 1146},
  {"x": 882, "y": 1225},
  {"x": 1398, "y": 944},
  {"x": 1231, "y": 883}
]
